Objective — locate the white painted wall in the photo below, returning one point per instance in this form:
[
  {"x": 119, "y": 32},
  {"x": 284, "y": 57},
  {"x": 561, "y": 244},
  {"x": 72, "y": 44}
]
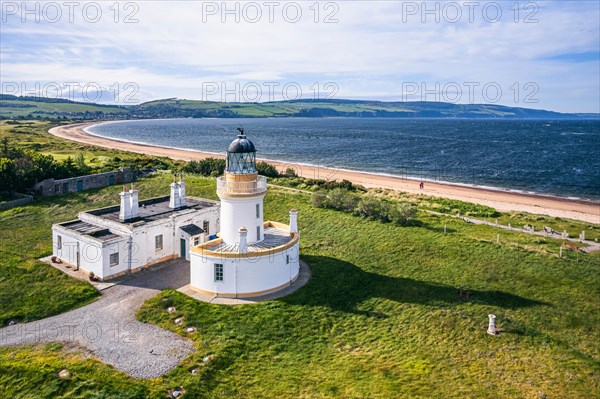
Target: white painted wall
[
  {"x": 89, "y": 249},
  {"x": 245, "y": 275},
  {"x": 95, "y": 254},
  {"x": 241, "y": 211}
]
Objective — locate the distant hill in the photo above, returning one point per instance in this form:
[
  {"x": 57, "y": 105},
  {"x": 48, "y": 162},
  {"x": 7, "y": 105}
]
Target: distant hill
[{"x": 36, "y": 107}]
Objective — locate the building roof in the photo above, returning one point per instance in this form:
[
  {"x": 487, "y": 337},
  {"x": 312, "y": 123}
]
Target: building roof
[
  {"x": 273, "y": 237},
  {"x": 99, "y": 233},
  {"x": 192, "y": 229},
  {"x": 241, "y": 144},
  {"x": 152, "y": 209}
]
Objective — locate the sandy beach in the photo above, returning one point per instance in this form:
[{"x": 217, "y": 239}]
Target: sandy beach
[{"x": 502, "y": 200}]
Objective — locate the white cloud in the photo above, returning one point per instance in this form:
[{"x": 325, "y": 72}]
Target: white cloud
[{"x": 373, "y": 48}]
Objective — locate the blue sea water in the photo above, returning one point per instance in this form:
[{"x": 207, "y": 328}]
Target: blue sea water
[{"x": 556, "y": 157}]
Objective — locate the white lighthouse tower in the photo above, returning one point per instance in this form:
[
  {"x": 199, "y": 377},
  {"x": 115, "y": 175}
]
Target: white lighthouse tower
[
  {"x": 250, "y": 257},
  {"x": 241, "y": 191}
]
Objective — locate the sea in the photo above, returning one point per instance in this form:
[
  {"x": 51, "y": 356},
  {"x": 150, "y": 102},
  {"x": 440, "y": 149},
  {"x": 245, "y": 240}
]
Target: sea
[{"x": 551, "y": 157}]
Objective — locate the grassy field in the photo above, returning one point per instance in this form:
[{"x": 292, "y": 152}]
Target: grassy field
[
  {"x": 34, "y": 135},
  {"x": 16, "y": 108},
  {"x": 381, "y": 317}
]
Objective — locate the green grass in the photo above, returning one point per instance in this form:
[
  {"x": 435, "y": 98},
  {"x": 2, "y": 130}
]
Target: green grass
[
  {"x": 22, "y": 368},
  {"x": 34, "y": 135},
  {"x": 380, "y": 318},
  {"x": 16, "y": 108}
]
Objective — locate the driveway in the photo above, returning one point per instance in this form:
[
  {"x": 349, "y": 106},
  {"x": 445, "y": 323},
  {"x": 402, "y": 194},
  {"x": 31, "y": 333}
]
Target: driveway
[{"x": 108, "y": 327}]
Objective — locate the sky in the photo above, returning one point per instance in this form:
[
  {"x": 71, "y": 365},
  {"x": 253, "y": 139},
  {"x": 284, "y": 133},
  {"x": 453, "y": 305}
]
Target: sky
[{"x": 531, "y": 54}]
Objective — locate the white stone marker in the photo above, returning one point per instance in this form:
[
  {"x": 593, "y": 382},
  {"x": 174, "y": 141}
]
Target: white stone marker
[{"x": 492, "y": 325}]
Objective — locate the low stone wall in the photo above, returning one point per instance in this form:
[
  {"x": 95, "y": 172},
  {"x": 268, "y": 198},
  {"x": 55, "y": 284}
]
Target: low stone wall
[
  {"x": 51, "y": 187},
  {"x": 22, "y": 199}
]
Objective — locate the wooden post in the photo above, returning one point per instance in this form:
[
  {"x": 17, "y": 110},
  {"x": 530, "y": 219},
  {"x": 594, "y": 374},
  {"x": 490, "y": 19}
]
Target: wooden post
[
  {"x": 498, "y": 238},
  {"x": 560, "y": 252},
  {"x": 444, "y": 228}
]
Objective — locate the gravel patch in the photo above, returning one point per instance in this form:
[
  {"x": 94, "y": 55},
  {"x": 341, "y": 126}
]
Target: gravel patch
[{"x": 109, "y": 330}]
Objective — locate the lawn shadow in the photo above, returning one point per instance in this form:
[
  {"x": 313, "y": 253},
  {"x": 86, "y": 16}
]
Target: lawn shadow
[{"x": 343, "y": 286}]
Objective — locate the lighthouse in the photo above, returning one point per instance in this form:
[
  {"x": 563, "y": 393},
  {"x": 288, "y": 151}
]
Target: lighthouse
[
  {"x": 242, "y": 192},
  {"x": 251, "y": 256}
]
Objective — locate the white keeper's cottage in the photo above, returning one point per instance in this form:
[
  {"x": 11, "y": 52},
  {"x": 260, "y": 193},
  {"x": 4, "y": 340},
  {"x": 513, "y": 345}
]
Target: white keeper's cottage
[{"x": 121, "y": 239}]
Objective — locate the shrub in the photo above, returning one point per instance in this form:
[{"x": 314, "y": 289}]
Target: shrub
[
  {"x": 290, "y": 172},
  {"x": 370, "y": 208},
  {"x": 206, "y": 167},
  {"x": 319, "y": 199},
  {"x": 342, "y": 200},
  {"x": 402, "y": 212},
  {"x": 266, "y": 169}
]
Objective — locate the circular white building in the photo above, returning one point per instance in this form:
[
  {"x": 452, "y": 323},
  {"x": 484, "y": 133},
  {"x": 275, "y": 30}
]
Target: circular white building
[{"x": 250, "y": 257}]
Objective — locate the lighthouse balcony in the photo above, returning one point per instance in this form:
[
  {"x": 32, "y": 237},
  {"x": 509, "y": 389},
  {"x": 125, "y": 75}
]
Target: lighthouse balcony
[{"x": 256, "y": 186}]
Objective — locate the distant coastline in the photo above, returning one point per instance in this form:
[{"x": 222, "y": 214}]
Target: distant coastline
[
  {"x": 14, "y": 106},
  {"x": 503, "y": 200}
]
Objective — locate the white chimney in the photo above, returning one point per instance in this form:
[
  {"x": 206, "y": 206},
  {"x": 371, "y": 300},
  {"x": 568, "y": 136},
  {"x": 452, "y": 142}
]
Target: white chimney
[
  {"x": 293, "y": 220},
  {"x": 174, "y": 202},
  {"x": 243, "y": 246},
  {"x": 135, "y": 207},
  {"x": 125, "y": 211},
  {"x": 182, "y": 200}
]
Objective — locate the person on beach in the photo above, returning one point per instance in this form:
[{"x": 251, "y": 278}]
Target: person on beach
[{"x": 422, "y": 185}]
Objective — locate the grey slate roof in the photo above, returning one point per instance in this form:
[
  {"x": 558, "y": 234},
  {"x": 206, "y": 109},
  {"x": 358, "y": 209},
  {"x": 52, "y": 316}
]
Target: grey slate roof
[
  {"x": 273, "y": 237},
  {"x": 152, "y": 209},
  {"x": 192, "y": 229},
  {"x": 100, "y": 233}
]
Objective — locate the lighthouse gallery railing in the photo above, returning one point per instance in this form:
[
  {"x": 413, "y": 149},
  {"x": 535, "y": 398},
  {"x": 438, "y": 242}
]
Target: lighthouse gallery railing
[{"x": 242, "y": 187}]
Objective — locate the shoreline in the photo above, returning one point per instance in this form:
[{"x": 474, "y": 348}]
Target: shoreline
[{"x": 578, "y": 209}]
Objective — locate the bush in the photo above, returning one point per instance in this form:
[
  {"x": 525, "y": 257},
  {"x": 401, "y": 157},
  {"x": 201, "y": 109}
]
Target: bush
[
  {"x": 402, "y": 212},
  {"x": 266, "y": 169},
  {"x": 371, "y": 208},
  {"x": 342, "y": 200},
  {"x": 206, "y": 167},
  {"x": 338, "y": 199},
  {"x": 319, "y": 199},
  {"x": 290, "y": 172}
]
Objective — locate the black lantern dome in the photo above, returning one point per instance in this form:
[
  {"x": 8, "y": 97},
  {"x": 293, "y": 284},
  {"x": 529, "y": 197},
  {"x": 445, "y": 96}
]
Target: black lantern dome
[{"x": 241, "y": 155}]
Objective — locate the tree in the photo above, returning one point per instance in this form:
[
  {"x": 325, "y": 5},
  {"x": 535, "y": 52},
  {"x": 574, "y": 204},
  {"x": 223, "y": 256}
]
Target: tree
[
  {"x": 8, "y": 174},
  {"x": 80, "y": 164}
]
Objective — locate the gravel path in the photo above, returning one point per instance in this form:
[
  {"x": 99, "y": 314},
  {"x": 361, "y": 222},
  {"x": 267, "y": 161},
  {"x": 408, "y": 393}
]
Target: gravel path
[{"x": 108, "y": 327}]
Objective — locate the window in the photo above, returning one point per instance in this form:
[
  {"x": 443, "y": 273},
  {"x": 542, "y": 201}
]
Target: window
[
  {"x": 114, "y": 259},
  {"x": 218, "y": 272},
  {"x": 257, "y": 211},
  {"x": 58, "y": 242},
  {"x": 257, "y": 233},
  {"x": 196, "y": 240},
  {"x": 56, "y": 188},
  {"x": 158, "y": 242},
  {"x": 287, "y": 259},
  {"x": 205, "y": 226}
]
